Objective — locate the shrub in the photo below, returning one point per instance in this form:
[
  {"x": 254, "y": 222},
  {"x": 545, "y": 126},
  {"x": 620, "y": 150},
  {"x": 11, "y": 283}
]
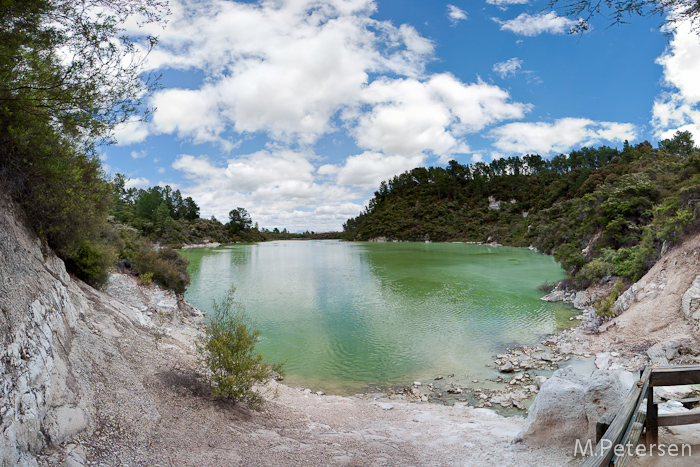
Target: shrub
[
  {"x": 546, "y": 286},
  {"x": 604, "y": 307},
  {"x": 166, "y": 267},
  {"x": 592, "y": 272},
  {"x": 92, "y": 262},
  {"x": 227, "y": 349}
]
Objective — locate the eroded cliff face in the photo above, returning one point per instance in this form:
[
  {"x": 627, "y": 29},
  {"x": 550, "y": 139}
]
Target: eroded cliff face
[
  {"x": 65, "y": 366},
  {"x": 40, "y": 399}
]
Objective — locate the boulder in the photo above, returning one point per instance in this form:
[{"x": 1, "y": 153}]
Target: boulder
[
  {"x": 602, "y": 360},
  {"x": 671, "y": 349},
  {"x": 624, "y": 301},
  {"x": 605, "y": 393},
  {"x": 569, "y": 405},
  {"x": 583, "y": 299},
  {"x": 506, "y": 367},
  {"x": 657, "y": 356},
  {"x": 558, "y": 413},
  {"x": 62, "y": 423},
  {"x": 690, "y": 303}
]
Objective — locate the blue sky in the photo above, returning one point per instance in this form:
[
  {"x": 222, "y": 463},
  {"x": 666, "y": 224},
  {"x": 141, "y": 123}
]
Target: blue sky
[{"x": 297, "y": 109}]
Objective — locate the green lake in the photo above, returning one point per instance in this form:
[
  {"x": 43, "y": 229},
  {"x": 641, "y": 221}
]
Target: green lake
[{"x": 352, "y": 317}]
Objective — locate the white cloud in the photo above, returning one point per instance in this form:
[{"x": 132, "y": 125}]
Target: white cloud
[
  {"x": 410, "y": 117},
  {"x": 140, "y": 182},
  {"x": 558, "y": 137},
  {"x": 285, "y": 68},
  {"x": 679, "y": 109},
  {"x": 370, "y": 168},
  {"x": 508, "y": 68},
  {"x": 161, "y": 170},
  {"x": 503, "y": 4},
  {"x": 455, "y": 14},
  {"x": 278, "y": 188},
  {"x": 131, "y": 132},
  {"x": 534, "y": 25},
  {"x": 139, "y": 154}
]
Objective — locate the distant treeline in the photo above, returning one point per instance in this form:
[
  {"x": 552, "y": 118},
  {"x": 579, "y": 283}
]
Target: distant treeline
[
  {"x": 162, "y": 215},
  {"x": 600, "y": 211}
]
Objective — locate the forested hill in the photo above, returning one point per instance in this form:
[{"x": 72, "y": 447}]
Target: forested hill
[{"x": 599, "y": 211}]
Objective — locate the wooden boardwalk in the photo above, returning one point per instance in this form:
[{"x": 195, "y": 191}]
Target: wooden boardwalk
[{"x": 619, "y": 436}]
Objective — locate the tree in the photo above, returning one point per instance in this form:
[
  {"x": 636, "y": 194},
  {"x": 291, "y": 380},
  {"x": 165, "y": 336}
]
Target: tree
[
  {"x": 227, "y": 349},
  {"x": 239, "y": 219},
  {"x": 67, "y": 78},
  {"x": 681, "y": 144},
  {"x": 617, "y": 11},
  {"x": 190, "y": 209}
]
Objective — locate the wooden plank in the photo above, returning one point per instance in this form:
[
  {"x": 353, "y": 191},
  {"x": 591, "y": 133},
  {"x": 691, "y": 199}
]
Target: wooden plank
[
  {"x": 628, "y": 453},
  {"x": 603, "y": 452},
  {"x": 602, "y": 425},
  {"x": 652, "y": 420},
  {"x": 634, "y": 431},
  {"x": 675, "y": 376},
  {"x": 682, "y": 418}
]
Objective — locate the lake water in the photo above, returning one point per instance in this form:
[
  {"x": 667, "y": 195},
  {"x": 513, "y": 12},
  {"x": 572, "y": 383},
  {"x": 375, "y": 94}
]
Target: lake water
[{"x": 350, "y": 317}]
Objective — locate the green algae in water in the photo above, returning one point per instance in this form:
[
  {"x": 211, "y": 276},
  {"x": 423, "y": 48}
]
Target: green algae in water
[{"x": 347, "y": 316}]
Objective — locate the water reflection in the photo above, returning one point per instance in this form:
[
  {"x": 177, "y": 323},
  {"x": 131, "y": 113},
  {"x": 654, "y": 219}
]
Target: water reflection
[{"x": 347, "y": 314}]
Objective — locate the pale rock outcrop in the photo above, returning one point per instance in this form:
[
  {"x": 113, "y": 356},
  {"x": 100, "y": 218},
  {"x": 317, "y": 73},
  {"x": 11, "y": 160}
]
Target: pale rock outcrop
[
  {"x": 625, "y": 300},
  {"x": 690, "y": 303},
  {"x": 569, "y": 405},
  {"x": 606, "y": 391},
  {"x": 37, "y": 321},
  {"x": 558, "y": 412}
]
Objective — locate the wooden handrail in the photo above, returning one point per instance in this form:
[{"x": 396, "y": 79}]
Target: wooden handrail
[
  {"x": 627, "y": 426},
  {"x": 605, "y": 449}
]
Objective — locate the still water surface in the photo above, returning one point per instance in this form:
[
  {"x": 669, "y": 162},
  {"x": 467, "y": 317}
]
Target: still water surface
[{"x": 351, "y": 316}]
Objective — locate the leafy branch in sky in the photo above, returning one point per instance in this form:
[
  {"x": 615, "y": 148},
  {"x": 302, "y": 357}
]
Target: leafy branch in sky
[{"x": 619, "y": 11}]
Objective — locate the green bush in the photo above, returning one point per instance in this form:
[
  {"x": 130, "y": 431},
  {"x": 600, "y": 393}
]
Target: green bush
[
  {"x": 604, "y": 307},
  {"x": 165, "y": 266},
  {"x": 92, "y": 263},
  {"x": 227, "y": 349},
  {"x": 592, "y": 272}
]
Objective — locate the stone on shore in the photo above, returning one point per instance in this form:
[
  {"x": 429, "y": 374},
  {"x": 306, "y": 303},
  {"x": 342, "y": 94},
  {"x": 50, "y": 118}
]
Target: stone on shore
[{"x": 569, "y": 405}]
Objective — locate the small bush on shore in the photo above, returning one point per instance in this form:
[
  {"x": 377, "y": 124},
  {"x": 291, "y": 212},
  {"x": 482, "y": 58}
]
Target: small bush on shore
[
  {"x": 604, "y": 307},
  {"x": 227, "y": 349}
]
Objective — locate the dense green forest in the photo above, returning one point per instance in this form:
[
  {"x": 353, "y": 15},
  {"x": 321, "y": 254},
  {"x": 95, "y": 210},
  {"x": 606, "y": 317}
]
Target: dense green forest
[{"x": 599, "y": 211}]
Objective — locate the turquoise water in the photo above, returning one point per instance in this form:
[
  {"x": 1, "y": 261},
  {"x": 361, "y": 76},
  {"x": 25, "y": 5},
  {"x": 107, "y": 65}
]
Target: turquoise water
[{"x": 353, "y": 316}]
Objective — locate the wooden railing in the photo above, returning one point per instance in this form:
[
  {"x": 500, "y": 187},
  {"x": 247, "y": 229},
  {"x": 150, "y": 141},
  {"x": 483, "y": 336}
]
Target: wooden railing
[{"x": 634, "y": 415}]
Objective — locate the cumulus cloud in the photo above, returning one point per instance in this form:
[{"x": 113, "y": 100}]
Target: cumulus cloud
[
  {"x": 558, "y": 137},
  {"x": 370, "y": 168},
  {"x": 503, "y": 4},
  {"x": 508, "y": 68},
  {"x": 139, "y": 154},
  {"x": 410, "y": 117},
  {"x": 278, "y": 188},
  {"x": 131, "y": 132},
  {"x": 679, "y": 108},
  {"x": 455, "y": 14},
  {"x": 140, "y": 182},
  {"x": 283, "y": 68},
  {"x": 534, "y": 25}
]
